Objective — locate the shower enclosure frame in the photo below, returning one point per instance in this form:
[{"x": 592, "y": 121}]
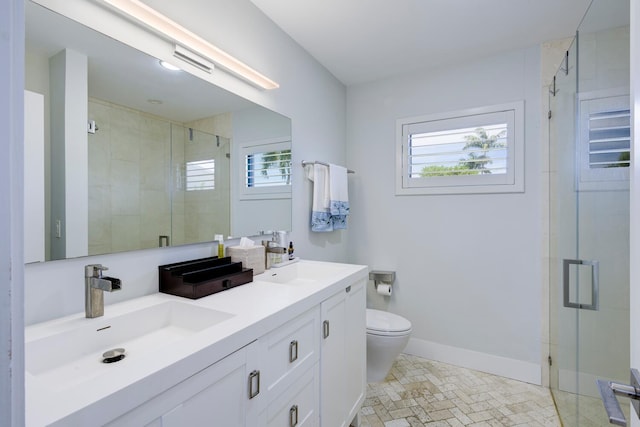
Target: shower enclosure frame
[{"x": 588, "y": 226}]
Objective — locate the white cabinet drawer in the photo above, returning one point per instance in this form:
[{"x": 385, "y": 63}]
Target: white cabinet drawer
[
  {"x": 290, "y": 350},
  {"x": 297, "y": 406}
]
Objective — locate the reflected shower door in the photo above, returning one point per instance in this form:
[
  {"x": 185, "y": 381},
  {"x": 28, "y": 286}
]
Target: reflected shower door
[{"x": 201, "y": 185}]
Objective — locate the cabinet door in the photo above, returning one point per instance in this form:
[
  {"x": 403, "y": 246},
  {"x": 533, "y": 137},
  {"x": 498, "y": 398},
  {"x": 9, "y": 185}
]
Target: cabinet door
[
  {"x": 216, "y": 396},
  {"x": 343, "y": 355},
  {"x": 355, "y": 349},
  {"x": 332, "y": 366}
]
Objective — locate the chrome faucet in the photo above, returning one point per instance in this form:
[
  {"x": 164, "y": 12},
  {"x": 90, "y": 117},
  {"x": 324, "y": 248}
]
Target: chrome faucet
[
  {"x": 271, "y": 247},
  {"x": 95, "y": 284}
]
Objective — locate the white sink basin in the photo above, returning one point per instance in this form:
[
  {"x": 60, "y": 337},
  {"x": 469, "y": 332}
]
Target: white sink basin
[
  {"x": 72, "y": 356},
  {"x": 301, "y": 272}
]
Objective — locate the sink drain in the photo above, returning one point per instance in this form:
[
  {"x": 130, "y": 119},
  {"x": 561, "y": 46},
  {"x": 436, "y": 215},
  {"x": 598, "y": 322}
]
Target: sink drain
[{"x": 112, "y": 356}]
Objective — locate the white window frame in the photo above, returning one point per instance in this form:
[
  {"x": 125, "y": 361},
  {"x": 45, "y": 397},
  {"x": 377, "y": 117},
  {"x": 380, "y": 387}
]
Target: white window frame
[
  {"x": 511, "y": 113},
  {"x": 261, "y": 146},
  {"x": 605, "y": 179}
]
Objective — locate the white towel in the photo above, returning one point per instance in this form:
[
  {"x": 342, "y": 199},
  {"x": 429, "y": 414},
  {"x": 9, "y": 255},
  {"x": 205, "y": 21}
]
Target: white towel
[
  {"x": 320, "y": 209},
  {"x": 338, "y": 190}
]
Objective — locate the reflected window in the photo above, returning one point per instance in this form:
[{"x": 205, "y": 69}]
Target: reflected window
[
  {"x": 268, "y": 169},
  {"x": 604, "y": 141},
  {"x": 201, "y": 175}
]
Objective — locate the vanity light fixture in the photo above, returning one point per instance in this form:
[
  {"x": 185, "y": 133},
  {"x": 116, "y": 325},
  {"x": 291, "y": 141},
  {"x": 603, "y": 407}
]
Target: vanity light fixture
[
  {"x": 193, "y": 59},
  {"x": 190, "y": 41}
]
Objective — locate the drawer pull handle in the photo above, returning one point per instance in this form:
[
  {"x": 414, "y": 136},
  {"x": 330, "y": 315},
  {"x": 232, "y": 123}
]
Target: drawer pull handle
[
  {"x": 325, "y": 329},
  {"x": 254, "y": 378},
  {"x": 293, "y": 416},
  {"x": 293, "y": 351}
]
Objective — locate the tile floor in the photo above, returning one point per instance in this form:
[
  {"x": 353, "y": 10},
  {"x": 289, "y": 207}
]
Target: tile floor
[
  {"x": 420, "y": 392},
  {"x": 585, "y": 411}
]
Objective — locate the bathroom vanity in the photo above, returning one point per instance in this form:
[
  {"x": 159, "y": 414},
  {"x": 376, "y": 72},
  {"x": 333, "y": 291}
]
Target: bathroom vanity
[{"x": 288, "y": 349}]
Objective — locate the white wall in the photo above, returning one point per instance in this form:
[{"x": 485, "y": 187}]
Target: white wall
[
  {"x": 468, "y": 266},
  {"x": 11, "y": 209},
  {"x": 254, "y": 126},
  {"x": 33, "y": 177},
  {"x": 308, "y": 94},
  {"x": 69, "y": 166},
  {"x": 37, "y": 80},
  {"x": 634, "y": 297}
]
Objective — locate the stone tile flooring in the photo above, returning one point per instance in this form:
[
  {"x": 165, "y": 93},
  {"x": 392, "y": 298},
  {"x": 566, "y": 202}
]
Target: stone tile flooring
[
  {"x": 420, "y": 392},
  {"x": 585, "y": 411}
]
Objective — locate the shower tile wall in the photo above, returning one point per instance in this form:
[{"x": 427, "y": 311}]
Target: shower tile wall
[
  {"x": 136, "y": 161},
  {"x": 129, "y": 157}
]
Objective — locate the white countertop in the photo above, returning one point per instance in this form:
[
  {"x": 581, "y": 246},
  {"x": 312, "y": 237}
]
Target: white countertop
[{"x": 257, "y": 308}]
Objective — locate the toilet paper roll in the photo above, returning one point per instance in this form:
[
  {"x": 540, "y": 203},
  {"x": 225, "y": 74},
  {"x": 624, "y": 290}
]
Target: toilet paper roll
[{"x": 384, "y": 290}]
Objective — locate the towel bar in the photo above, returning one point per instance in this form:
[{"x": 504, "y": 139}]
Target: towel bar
[{"x": 308, "y": 162}]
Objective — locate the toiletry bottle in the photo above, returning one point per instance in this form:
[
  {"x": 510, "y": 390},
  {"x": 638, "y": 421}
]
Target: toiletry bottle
[
  {"x": 290, "y": 250},
  {"x": 220, "y": 240}
]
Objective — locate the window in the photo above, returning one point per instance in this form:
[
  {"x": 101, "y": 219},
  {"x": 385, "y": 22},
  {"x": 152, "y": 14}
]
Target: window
[
  {"x": 472, "y": 151},
  {"x": 604, "y": 142},
  {"x": 201, "y": 175}
]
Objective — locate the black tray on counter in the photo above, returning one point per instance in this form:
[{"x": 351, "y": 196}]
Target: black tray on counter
[{"x": 202, "y": 277}]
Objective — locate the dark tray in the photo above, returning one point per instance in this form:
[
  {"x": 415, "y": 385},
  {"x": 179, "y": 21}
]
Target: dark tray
[{"x": 198, "y": 278}]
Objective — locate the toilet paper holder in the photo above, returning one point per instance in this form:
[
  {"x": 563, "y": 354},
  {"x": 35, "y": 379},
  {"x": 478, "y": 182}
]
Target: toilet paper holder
[{"x": 379, "y": 276}]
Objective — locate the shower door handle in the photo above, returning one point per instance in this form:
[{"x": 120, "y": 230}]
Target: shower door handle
[{"x": 566, "y": 279}]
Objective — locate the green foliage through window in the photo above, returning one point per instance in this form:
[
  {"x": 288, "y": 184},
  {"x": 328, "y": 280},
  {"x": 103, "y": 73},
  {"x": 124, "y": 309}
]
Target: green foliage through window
[{"x": 439, "y": 153}]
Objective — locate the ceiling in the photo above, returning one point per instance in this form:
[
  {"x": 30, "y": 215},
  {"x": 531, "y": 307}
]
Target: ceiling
[{"x": 365, "y": 40}]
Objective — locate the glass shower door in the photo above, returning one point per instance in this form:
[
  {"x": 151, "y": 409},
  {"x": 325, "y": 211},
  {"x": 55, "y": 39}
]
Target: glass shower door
[{"x": 589, "y": 221}]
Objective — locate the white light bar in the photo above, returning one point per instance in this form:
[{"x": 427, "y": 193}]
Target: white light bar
[{"x": 191, "y": 41}]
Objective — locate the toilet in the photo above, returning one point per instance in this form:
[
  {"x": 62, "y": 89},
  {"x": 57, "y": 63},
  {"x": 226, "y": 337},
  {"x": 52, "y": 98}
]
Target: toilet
[{"x": 387, "y": 335}]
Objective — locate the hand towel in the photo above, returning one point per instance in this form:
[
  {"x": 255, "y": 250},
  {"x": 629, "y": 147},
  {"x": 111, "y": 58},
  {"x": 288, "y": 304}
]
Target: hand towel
[
  {"x": 338, "y": 196},
  {"x": 320, "y": 210}
]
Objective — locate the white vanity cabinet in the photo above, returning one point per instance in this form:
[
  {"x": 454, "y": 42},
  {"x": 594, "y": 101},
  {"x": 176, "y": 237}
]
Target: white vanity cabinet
[
  {"x": 216, "y": 396},
  {"x": 343, "y": 356},
  {"x": 274, "y": 381},
  {"x": 290, "y": 355}
]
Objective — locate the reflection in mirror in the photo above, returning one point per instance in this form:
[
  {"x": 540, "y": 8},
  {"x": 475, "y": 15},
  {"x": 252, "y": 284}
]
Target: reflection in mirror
[{"x": 137, "y": 156}]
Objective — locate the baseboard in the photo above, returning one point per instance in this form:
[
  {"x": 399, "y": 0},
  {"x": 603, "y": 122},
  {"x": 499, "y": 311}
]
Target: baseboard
[{"x": 492, "y": 364}]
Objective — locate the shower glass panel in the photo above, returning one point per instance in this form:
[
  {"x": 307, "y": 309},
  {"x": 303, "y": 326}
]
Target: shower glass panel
[
  {"x": 589, "y": 215},
  {"x": 200, "y": 188}
]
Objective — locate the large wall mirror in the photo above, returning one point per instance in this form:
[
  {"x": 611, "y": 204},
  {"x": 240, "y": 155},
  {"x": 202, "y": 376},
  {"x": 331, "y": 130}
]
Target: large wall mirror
[{"x": 137, "y": 156}]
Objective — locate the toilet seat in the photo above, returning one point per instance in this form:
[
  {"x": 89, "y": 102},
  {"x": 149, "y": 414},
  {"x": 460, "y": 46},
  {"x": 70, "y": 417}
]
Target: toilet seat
[{"x": 383, "y": 323}]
